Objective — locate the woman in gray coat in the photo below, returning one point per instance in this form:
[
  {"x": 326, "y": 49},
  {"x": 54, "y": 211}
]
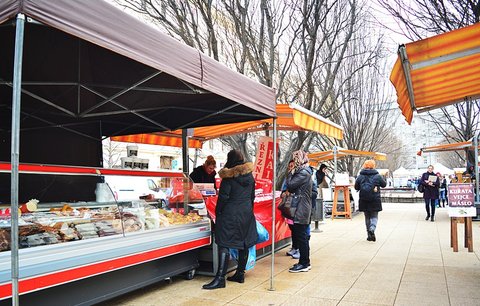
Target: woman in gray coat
[{"x": 300, "y": 184}]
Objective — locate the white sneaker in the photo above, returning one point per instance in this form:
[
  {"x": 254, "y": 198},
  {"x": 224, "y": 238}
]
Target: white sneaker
[
  {"x": 291, "y": 251},
  {"x": 296, "y": 255}
]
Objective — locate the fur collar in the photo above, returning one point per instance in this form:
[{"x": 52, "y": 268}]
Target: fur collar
[{"x": 236, "y": 171}]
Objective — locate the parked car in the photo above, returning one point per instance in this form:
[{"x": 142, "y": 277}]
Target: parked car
[{"x": 135, "y": 188}]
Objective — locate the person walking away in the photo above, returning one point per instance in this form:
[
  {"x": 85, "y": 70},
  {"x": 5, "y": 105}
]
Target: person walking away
[
  {"x": 294, "y": 252},
  {"x": 431, "y": 183},
  {"x": 368, "y": 183},
  {"x": 206, "y": 172},
  {"x": 235, "y": 222},
  {"x": 300, "y": 184}
]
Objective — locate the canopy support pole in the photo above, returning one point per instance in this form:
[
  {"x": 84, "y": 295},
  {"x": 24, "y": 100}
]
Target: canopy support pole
[
  {"x": 402, "y": 52},
  {"x": 274, "y": 207},
  {"x": 15, "y": 154},
  {"x": 186, "y": 180},
  {"x": 335, "y": 152},
  {"x": 475, "y": 144}
]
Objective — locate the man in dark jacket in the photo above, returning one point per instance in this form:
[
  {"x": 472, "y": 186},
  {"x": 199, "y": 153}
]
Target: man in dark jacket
[
  {"x": 431, "y": 183},
  {"x": 235, "y": 222},
  {"x": 300, "y": 184},
  {"x": 369, "y": 183}
]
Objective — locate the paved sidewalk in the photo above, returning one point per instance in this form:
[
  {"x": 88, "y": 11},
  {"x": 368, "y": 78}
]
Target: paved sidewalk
[{"x": 411, "y": 263}]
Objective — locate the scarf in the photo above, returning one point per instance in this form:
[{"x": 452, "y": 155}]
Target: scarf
[{"x": 300, "y": 159}]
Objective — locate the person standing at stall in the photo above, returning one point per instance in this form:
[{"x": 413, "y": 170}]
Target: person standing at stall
[
  {"x": 294, "y": 252},
  {"x": 300, "y": 184},
  {"x": 368, "y": 183},
  {"x": 431, "y": 183},
  {"x": 206, "y": 172},
  {"x": 235, "y": 226},
  {"x": 321, "y": 181}
]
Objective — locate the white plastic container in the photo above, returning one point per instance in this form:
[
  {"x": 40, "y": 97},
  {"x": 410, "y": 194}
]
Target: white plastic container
[
  {"x": 137, "y": 163},
  {"x": 127, "y": 162},
  {"x": 144, "y": 164},
  {"x": 132, "y": 150}
]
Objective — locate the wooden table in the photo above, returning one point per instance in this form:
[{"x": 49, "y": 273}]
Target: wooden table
[
  {"x": 468, "y": 239},
  {"x": 346, "y": 200}
]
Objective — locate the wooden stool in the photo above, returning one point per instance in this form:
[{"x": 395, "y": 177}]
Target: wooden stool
[
  {"x": 346, "y": 200},
  {"x": 468, "y": 239}
]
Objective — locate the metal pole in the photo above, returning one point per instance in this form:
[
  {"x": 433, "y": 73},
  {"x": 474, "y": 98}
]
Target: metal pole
[
  {"x": 15, "y": 157},
  {"x": 334, "y": 177},
  {"x": 186, "y": 181},
  {"x": 335, "y": 150},
  {"x": 475, "y": 143},
  {"x": 274, "y": 206}
]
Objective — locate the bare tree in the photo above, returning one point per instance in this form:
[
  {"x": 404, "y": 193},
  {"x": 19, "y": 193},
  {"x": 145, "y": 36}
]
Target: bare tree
[
  {"x": 250, "y": 32},
  {"x": 311, "y": 51},
  {"x": 111, "y": 153},
  {"x": 192, "y": 22}
]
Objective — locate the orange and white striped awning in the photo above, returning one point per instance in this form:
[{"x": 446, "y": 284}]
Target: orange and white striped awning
[
  {"x": 158, "y": 139},
  {"x": 457, "y": 146},
  {"x": 438, "y": 71},
  {"x": 289, "y": 117},
  {"x": 318, "y": 157}
]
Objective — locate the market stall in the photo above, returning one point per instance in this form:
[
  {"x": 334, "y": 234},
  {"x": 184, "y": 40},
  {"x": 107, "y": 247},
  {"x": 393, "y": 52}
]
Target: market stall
[
  {"x": 81, "y": 73},
  {"x": 336, "y": 153},
  {"x": 289, "y": 117},
  {"x": 472, "y": 145}
]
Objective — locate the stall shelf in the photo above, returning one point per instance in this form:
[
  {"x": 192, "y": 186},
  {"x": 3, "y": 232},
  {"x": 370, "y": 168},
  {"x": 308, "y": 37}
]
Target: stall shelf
[{"x": 121, "y": 255}]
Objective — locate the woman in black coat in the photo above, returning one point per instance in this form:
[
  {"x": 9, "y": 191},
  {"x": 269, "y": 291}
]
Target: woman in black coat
[
  {"x": 206, "y": 172},
  {"x": 431, "y": 193},
  {"x": 369, "y": 183},
  {"x": 235, "y": 226},
  {"x": 300, "y": 184}
]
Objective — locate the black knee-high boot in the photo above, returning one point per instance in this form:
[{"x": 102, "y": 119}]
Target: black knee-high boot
[
  {"x": 239, "y": 275},
  {"x": 219, "y": 280}
]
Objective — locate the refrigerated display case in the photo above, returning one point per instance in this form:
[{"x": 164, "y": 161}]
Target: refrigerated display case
[{"x": 106, "y": 248}]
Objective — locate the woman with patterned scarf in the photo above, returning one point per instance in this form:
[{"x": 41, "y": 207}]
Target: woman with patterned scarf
[{"x": 300, "y": 184}]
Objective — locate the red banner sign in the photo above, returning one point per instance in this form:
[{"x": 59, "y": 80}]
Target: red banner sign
[{"x": 264, "y": 161}]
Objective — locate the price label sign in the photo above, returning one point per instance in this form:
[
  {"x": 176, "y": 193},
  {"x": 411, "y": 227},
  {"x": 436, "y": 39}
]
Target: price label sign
[{"x": 461, "y": 200}]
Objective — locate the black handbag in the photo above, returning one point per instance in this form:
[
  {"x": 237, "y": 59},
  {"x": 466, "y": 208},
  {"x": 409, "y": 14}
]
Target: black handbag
[
  {"x": 421, "y": 188},
  {"x": 288, "y": 206}
]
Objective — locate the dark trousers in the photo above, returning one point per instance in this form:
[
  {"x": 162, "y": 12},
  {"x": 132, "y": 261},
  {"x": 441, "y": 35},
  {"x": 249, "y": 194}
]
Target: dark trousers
[
  {"x": 300, "y": 234},
  {"x": 430, "y": 204},
  {"x": 294, "y": 239}
]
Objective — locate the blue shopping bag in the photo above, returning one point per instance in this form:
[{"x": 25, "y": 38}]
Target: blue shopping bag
[
  {"x": 251, "y": 259},
  {"x": 262, "y": 233}
]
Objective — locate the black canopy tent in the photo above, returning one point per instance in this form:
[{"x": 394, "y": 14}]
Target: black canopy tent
[
  {"x": 77, "y": 71},
  {"x": 90, "y": 70}
]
